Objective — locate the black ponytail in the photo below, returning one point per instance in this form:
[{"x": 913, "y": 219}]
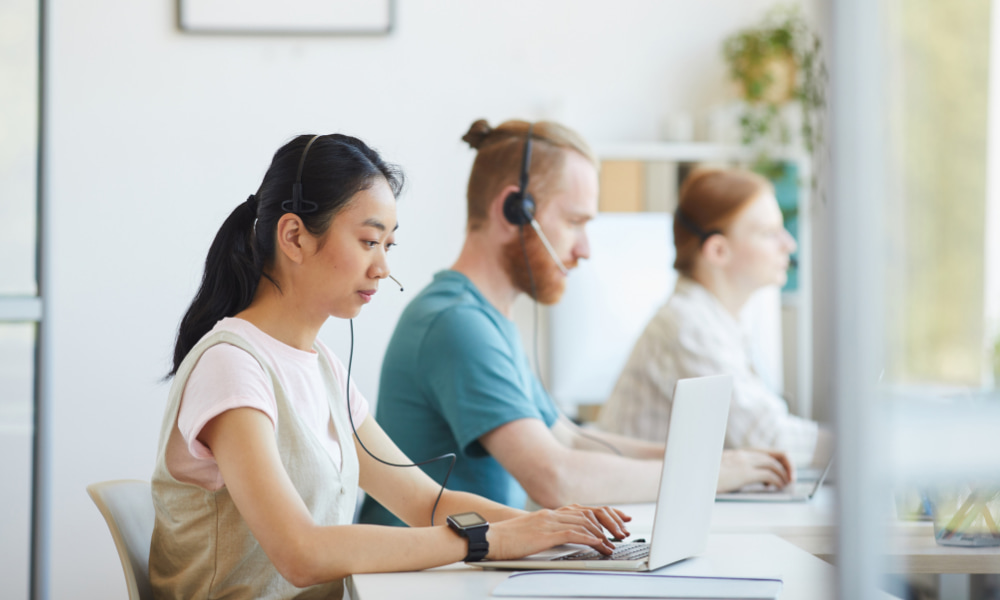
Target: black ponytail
[{"x": 336, "y": 168}]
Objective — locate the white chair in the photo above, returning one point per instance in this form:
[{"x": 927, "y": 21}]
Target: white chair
[{"x": 127, "y": 506}]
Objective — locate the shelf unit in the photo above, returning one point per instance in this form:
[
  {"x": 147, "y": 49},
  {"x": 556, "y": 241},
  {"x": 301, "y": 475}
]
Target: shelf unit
[{"x": 796, "y": 305}]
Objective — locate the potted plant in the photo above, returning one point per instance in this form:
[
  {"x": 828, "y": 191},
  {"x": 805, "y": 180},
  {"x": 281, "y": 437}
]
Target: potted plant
[{"x": 775, "y": 65}]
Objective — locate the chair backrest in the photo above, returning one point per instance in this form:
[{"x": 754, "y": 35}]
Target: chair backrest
[{"x": 127, "y": 506}]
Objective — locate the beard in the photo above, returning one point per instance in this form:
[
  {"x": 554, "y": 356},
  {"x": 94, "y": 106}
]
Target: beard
[{"x": 549, "y": 282}]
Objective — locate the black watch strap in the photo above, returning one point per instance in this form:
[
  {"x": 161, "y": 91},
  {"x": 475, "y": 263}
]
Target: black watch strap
[
  {"x": 473, "y": 528},
  {"x": 478, "y": 546}
]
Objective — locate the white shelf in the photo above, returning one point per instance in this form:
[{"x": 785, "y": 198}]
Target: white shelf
[
  {"x": 19, "y": 309},
  {"x": 683, "y": 152}
]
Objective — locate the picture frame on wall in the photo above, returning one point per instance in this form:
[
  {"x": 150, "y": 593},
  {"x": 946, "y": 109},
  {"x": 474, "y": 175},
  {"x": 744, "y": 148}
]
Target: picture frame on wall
[{"x": 288, "y": 17}]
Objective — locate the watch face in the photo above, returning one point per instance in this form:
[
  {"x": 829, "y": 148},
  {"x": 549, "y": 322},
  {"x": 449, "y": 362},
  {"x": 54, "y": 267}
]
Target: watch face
[{"x": 469, "y": 519}]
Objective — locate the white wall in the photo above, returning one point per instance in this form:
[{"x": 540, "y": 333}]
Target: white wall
[{"x": 154, "y": 136}]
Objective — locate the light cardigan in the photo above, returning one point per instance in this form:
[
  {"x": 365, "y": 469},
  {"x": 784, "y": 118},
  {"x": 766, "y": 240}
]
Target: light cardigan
[
  {"x": 201, "y": 546},
  {"x": 693, "y": 335}
]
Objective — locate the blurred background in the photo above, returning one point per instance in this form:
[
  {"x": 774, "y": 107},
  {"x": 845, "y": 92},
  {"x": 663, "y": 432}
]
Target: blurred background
[{"x": 129, "y": 130}]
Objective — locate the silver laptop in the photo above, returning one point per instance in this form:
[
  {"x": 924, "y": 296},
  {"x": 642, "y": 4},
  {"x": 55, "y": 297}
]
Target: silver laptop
[
  {"x": 687, "y": 490},
  {"x": 797, "y": 491}
]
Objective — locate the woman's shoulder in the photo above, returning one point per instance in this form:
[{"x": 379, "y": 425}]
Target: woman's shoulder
[
  {"x": 226, "y": 360},
  {"x": 689, "y": 305},
  {"x": 237, "y": 346},
  {"x": 328, "y": 356},
  {"x": 241, "y": 328},
  {"x": 230, "y": 331},
  {"x": 686, "y": 320},
  {"x": 675, "y": 313}
]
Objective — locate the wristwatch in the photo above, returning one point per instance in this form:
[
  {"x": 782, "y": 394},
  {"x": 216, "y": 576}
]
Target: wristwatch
[{"x": 472, "y": 527}]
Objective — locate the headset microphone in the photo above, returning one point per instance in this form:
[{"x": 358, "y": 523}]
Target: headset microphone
[
  {"x": 545, "y": 242},
  {"x": 397, "y": 282}
]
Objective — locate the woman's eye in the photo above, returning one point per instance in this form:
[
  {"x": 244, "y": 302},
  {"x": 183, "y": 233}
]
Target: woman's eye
[
  {"x": 389, "y": 246},
  {"x": 371, "y": 244}
]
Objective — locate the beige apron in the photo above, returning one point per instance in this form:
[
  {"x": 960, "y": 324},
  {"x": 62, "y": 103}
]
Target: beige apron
[{"x": 201, "y": 546}]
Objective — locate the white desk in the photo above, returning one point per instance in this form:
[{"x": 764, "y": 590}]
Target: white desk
[
  {"x": 805, "y": 576},
  {"x": 808, "y": 525},
  {"x": 811, "y": 526}
]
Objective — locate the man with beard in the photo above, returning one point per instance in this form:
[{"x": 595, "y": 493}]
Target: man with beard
[{"x": 455, "y": 376}]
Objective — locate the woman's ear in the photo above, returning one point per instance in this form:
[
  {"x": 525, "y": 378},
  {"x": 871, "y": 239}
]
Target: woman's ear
[
  {"x": 715, "y": 250},
  {"x": 292, "y": 238}
]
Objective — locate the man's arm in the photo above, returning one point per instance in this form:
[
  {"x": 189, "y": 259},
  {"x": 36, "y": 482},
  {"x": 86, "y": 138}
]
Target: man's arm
[
  {"x": 574, "y": 436},
  {"x": 554, "y": 474}
]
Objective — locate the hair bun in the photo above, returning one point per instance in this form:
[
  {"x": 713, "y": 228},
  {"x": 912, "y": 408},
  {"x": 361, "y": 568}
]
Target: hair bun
[{"x": 477, "y": 134}]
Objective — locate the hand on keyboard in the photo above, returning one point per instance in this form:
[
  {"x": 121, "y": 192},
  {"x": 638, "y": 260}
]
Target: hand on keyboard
[{"x": 636, "y": 550}]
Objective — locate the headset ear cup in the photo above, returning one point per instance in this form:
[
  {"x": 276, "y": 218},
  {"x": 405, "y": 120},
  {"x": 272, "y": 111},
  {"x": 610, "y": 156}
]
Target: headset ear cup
[{"x": 518, "y": 208}]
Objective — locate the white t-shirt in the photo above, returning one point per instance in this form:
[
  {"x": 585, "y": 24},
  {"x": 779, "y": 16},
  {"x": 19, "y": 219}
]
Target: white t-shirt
[
  {"x": 693, "y": 335},
  {"x": 227, "y": 377}
]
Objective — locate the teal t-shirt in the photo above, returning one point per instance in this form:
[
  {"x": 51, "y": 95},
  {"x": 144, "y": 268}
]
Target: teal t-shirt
[{"x": 455, "y": 370}]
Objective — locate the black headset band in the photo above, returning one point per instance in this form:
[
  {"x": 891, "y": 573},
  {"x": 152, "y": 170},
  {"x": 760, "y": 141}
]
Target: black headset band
[
  {"x": 691, "y": 226},
  {"x": 297, "y": 204},
  {"x": 526, "y": 160}
]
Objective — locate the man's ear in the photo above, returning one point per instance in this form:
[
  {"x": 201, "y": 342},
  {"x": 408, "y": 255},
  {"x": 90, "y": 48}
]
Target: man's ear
[
  {"x": 292, "y": 239},
  {"x": 716, "y": 251},
  {"x": 496, "y": 208}
]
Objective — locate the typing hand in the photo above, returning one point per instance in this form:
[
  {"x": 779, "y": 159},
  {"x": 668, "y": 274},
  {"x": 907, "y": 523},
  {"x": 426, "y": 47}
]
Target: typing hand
[
  {"x": 744, "y": 467},
  {"x": 543, "y": 529}
]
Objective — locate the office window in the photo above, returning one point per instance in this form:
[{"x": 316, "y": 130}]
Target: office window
[
  {"x": 17, "y": 368},
  {"x": 938, "y": 81},
  {"x": 18, "y": 142},
  {"x": 916, "y": 167},
  {"x": 20, "y": 304}
]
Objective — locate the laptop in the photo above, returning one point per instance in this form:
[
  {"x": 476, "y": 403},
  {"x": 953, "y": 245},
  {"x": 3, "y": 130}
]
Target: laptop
[
  {"x": 797, "y": 491},
  {"x": 686, "y": 496}
]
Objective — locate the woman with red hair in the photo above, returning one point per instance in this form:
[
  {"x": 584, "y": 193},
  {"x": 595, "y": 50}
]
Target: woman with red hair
[{"x": 730, "y": 241}]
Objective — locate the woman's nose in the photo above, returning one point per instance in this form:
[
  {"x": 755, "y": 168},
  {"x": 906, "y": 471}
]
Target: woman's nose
[
  {"x": 379, "y": 268},
  {"x": 790, "y": 242}
]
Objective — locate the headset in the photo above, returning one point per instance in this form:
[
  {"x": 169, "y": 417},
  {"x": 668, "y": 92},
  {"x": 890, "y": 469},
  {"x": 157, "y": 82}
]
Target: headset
[
  {"x": 519, "y": 209},
  {"x": 519, "y": 206},
  {"x": 299, "y": 205},
  {"x": 684, "y": 221}
]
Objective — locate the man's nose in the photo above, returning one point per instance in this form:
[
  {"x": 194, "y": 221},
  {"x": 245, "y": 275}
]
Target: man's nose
[{"x": 582, "y": 248}]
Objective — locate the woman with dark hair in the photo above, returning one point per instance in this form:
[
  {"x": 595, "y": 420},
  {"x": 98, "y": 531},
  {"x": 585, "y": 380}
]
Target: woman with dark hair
[
  {"x": 257, "y": 471},
  {"x": 730, "y": 241}
]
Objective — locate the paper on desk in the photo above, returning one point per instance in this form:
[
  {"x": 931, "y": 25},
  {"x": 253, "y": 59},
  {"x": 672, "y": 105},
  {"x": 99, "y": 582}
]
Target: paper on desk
[{"x": 587, "y": 584}]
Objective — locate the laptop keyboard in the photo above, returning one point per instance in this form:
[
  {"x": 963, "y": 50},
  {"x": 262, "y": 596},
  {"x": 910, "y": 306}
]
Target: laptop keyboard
[{"x": 630, "y": 551}]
